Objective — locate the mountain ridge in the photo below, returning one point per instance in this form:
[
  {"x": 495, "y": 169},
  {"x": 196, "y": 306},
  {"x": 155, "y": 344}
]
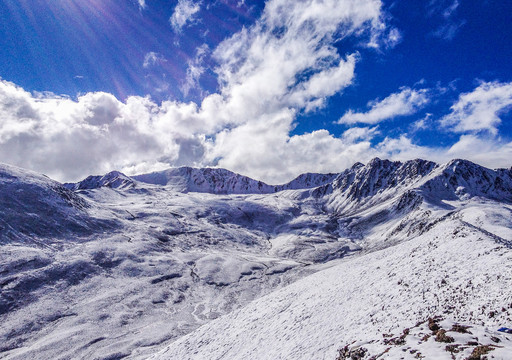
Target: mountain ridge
[{"x": 384, "y": 173}]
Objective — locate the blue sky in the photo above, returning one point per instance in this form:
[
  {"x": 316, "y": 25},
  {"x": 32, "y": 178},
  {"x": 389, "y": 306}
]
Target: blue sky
[{"x": 269, "y": 89}]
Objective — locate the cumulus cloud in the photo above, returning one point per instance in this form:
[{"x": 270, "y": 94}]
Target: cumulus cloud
[
  {"x": 491, "y": 152},
  {"x": 68, "y": 139},
  {"x": 287, "y": 59},
  {"x": 184, "y": 12},
  {"x": 283, "y": 65},
  {"x": 480, "y": 109},
  {"x": 405, "y": 102}
]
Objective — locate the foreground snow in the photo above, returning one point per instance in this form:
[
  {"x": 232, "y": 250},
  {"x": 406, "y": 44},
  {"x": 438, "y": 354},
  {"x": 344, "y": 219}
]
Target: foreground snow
[{"x": 451, "y": 271}]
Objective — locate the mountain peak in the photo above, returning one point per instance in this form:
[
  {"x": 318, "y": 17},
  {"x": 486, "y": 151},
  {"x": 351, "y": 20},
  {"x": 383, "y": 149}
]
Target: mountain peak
[
  {"x": 461, "y": 163},
  {"x": 114, "y": 179},
  {"x": 376, "y": 161},
  {"x": 379, "y": 175},
  {"x": 206, "y": 180},
  {"x": 461, "y": 179}
]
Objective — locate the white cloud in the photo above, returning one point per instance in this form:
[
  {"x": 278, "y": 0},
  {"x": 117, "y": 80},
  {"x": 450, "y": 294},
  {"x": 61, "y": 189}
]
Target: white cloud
[
  {"x": 184, "y": 13},
  {"x": 480, "y": 109},
  {"x": 264, "y": 150},
  {"x": 422, "y": 124},
  {"x": 393, "y": 39},
  {"x": 311, "y": 94},
  {"x": 403, "y": 148},
  {"x": 286, "y": 59},
  {"x": 449, "y": 30},
  {"x": 194, "y": 70},
  {"x": 283, "y": 65},
  {"x": 142, "y": 4},
  {"x": 152, "y": 58},
  {"x": 489, "y": 151},
  {"x": 406, "y": 102},
  {"x": 68, "y": 139},
  {"x": 446, "y": 10},
  {"x": 355, "y": 134}
]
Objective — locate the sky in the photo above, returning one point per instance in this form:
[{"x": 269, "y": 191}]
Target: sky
[{"x": 269, "y": 89}]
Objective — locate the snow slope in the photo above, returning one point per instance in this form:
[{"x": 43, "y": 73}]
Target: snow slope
[
  {"x": 122, "y": 267},
  {"x": 33, "y": 206},
  {"x": 362, "y": 298}
]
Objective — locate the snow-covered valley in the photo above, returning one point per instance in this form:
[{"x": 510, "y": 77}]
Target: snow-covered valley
[{"x": 208, "y": 264}]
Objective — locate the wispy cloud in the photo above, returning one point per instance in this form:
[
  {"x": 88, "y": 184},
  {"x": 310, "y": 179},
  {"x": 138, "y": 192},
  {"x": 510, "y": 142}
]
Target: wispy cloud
[
  {"x": 356, "y": 134},
  {"x": 142, "y": 4},
  {"x": 450, "y": 10},
  {"x": 422, "y": 124},
  {"x": 152, "y": 58},
  {"x": 194, "y": 70},
  {"x": 405, "y": 102},
  {"x": 393, "y": 38},
  {"x": 449, "y": 30},
  {"x": 480, "y": 109},
  {"x": 446, "y": 11},
  {"x": 184, "y": 13}
]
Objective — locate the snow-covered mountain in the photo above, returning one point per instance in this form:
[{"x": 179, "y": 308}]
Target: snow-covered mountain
[
  {"x": 208, "y": 180},
  {"x": 113, "y": 179},
  {"x": 209, "y": 264},
  {"x": 307, "y": 181},
  {"x": 205, "y": 180},
  {"x": 33, "y": 206}
]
